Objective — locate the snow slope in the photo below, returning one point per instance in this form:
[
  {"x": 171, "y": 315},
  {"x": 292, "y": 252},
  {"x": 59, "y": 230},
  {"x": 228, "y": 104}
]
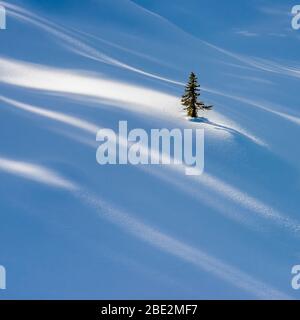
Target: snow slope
[{"x": 73, "y": 229}]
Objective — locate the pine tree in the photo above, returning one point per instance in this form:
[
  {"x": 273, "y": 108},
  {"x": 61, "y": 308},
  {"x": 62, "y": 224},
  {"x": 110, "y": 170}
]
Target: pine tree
[{"x": 190, "y": 98}]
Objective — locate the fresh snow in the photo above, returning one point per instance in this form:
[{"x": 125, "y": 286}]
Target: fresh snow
[{"x": 71, "y": 228}]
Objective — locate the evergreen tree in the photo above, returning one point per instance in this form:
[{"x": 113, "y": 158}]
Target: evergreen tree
[{"x": 190, "y": 98}]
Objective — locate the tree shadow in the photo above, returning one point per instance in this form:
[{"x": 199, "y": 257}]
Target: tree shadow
[{"x": 216, "y": 125}]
